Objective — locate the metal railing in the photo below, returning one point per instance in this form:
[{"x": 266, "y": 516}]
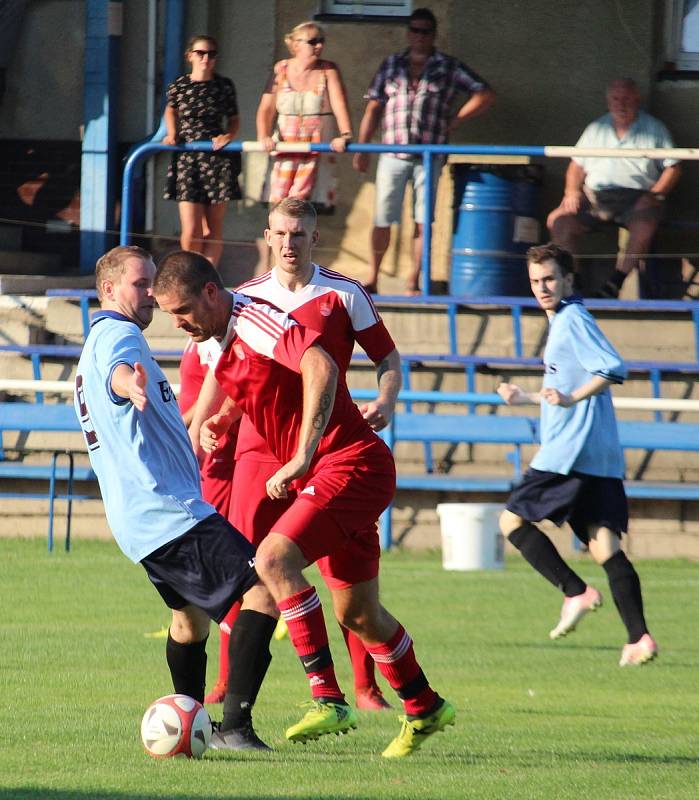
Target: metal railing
[{"x": 426, "y": 152}]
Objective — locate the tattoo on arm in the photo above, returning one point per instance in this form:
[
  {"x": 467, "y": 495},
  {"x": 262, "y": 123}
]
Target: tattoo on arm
[
  {"x": 381, "y": 370},
  {"x": 320, "y": 419}
]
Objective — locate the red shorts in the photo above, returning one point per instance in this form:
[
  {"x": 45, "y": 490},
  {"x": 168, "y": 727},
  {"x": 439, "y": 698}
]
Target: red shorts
[
  {"x": 217, "y": 474},
  {"x": 251, "y": 511},
  {"x": 331, "y": 517}
]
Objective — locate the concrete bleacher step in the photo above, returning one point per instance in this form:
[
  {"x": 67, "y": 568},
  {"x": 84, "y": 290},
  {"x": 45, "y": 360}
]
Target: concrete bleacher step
[{"x": 31, "y": 285}]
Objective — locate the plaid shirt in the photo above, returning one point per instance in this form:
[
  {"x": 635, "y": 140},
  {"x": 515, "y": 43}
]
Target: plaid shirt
[{"x": 420, "y": 114}]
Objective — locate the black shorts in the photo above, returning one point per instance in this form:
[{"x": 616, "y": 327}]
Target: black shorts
[
  {"x": 211, "y": 566},
  {"x": 579, "y": 499}
]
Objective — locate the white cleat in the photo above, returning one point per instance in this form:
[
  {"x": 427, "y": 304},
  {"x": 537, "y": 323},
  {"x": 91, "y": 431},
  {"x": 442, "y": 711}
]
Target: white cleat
[
  {"x": 574, "y": 609},
  {"x": 640, "y": 652}
]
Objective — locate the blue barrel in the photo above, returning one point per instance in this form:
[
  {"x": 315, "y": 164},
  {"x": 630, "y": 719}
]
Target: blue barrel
[{"x": 496, "y": 219}]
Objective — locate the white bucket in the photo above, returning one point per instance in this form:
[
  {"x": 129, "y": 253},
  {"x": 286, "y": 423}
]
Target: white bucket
[{"x": 471, "y": 537}]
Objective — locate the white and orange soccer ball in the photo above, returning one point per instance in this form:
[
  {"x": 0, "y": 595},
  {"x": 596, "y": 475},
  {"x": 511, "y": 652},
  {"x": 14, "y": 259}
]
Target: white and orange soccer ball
[{"x": 176, "y": 725}]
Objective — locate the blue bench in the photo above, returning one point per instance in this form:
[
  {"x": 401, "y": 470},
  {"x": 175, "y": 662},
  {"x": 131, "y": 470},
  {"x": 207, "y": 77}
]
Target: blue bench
[
  {"x": 508, "y": 429},
  {"x": 44, "y": 417},
  {"x": 453, "y": 304}
]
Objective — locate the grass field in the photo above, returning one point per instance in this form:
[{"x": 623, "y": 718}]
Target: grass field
[{"x": 536, "y": 719}]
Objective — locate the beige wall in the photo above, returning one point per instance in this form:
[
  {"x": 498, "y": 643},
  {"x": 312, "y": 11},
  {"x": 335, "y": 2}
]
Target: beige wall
[
  {"x": 549, "y": 63},
  {"x": 44, "y": 95}
]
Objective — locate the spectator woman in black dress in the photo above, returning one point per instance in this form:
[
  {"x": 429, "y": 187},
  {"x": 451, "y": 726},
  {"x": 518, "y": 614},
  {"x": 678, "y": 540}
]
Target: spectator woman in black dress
[{"x": 202, "y": 183}]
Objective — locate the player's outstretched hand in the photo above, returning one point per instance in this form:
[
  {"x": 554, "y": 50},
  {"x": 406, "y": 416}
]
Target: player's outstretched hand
[
  {"x": 137, "y": 386},
  {"x": 212, "y": 431}
]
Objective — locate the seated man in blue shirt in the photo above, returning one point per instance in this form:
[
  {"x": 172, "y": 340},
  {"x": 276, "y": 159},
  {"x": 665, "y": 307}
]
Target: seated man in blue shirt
[
  {"x": 576, "y": 476},
  {"x": 629, "y": 192}
]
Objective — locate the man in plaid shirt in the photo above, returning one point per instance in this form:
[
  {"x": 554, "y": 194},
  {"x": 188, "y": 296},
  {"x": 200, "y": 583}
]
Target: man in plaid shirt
[{"x": 411, "y": 94}]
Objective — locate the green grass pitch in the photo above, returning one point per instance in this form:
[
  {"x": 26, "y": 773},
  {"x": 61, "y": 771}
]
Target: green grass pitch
[{"x": 535, "y": 719}]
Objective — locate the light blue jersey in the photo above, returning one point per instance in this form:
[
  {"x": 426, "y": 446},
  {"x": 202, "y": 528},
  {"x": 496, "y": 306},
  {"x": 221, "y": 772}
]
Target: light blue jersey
[
  {"x": 584, "y": 437},
  {"x": 147, "y": 470}
]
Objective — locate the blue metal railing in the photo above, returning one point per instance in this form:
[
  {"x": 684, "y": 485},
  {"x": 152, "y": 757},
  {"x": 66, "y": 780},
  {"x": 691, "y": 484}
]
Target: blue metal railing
[{"x": 426, "y": 152}]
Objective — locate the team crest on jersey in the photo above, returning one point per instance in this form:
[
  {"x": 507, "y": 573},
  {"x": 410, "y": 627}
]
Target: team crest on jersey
[
  {"x": 309, "y": 490},
  {"x": 325, "y": 309},
  {"x": 238, "y": 350}
]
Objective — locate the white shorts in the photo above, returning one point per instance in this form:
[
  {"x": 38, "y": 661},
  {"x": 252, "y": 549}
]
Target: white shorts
[{"x": 392, "y": 176}]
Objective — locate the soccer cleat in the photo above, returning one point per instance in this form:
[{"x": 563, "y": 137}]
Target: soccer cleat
[
  {"x": 415, "y": 731},
  {"x": 574, "y": 609},
  {"x": 217, "y": 694},
  {"x": 640, "y": 652},
  {"x": 323, "y": 717},
  {"x": 243, "y": 738},
  {"x": 281, "y": 630},
  {"x": 159, "y": 634},
  {"x": 370, "y": 699}
]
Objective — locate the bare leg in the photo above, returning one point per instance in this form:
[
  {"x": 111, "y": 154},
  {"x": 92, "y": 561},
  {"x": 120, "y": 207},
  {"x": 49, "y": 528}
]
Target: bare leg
[
  {"x": 412, "y": 285},
  {"x": 213, "y": 239},
  {"x": 380, "y": 239},
  {"x": 641, "y": 233},
  {"x": 191, "y": 220}
]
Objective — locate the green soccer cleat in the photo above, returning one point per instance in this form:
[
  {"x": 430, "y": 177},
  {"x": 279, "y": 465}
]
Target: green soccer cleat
[
  {"x": 323, "y": 717},
  {"x": 415, "y": 731}
]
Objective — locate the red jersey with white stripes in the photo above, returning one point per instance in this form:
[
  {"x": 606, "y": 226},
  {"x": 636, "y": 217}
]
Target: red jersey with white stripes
[
  {"x": 197, "y": 359},
  {"x": 192, "y": 373},
  {"x": 336, "y": 306},
  {"x": 259, "y": 369}
]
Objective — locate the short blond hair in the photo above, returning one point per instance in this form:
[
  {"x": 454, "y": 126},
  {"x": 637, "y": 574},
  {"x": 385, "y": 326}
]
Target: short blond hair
[
  {"x": 293, "y": 34},
  {"x": 296, "y": 208},
  {"x": 112, "y": 265}
]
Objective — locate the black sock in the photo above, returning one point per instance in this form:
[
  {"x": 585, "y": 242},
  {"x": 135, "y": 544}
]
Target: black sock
[
  {"x": 187, "y": 664},
  {"x": 625, "y": 586},
  {"x": 540, "y": 552},
  {"x": 249, "y": 658}
]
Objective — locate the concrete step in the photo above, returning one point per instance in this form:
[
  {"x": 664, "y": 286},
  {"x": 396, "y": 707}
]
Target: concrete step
[{"x": 26, "y": 285}]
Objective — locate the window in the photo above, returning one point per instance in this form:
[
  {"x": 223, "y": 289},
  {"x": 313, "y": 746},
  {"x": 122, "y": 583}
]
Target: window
[
  {"x": 682, "y": 34},
  {"x": 372, "y": 8}
]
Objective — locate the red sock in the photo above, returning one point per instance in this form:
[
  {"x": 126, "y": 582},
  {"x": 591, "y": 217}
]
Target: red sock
[
  {"x": 362, "y": 662},
  {"x": 224, "y": 631},
  {"x": 303, "y": 615},
  {"x": 397, "y": 663}
]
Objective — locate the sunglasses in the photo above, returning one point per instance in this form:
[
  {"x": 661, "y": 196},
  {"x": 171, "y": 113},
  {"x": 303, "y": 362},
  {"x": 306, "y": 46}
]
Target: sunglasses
[
  {"x": 314, "y": 41},
  {"x": 421, "y": 31},
  {"x": 202, "y": 53}
]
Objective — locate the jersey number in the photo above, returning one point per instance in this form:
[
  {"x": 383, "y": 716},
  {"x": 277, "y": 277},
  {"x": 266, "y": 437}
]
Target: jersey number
[{"x": 85, "y": 421}]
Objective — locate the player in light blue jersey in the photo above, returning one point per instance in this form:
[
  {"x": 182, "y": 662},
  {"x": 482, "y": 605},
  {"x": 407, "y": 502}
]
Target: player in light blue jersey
[
  {"x": 576, "y": 476},
  {"x": 150, "y": 484}
]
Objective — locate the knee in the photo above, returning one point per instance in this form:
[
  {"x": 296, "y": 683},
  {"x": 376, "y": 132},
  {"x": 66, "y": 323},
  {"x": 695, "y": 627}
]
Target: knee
[
  {"x": 561, "y": 225},
  {"x": 187, "y": 628},
  {"x": 274, "y": 559},
  {"x": 509, "y": 522}
]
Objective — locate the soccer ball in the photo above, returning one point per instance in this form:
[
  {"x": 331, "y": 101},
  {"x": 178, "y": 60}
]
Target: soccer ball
[{"x": 175, "y": 725}]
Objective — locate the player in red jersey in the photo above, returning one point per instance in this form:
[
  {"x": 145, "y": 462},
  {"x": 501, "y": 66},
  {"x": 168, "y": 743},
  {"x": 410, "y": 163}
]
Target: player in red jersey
[
  {"x": 216, "y": 474},
  {"x": 340, "y": 474},
  {"x": 343, "y": 312}
]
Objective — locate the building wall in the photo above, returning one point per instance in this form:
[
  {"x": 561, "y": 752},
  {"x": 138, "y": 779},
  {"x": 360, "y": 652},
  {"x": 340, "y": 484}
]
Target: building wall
[{"x": 549, "y": 63}]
